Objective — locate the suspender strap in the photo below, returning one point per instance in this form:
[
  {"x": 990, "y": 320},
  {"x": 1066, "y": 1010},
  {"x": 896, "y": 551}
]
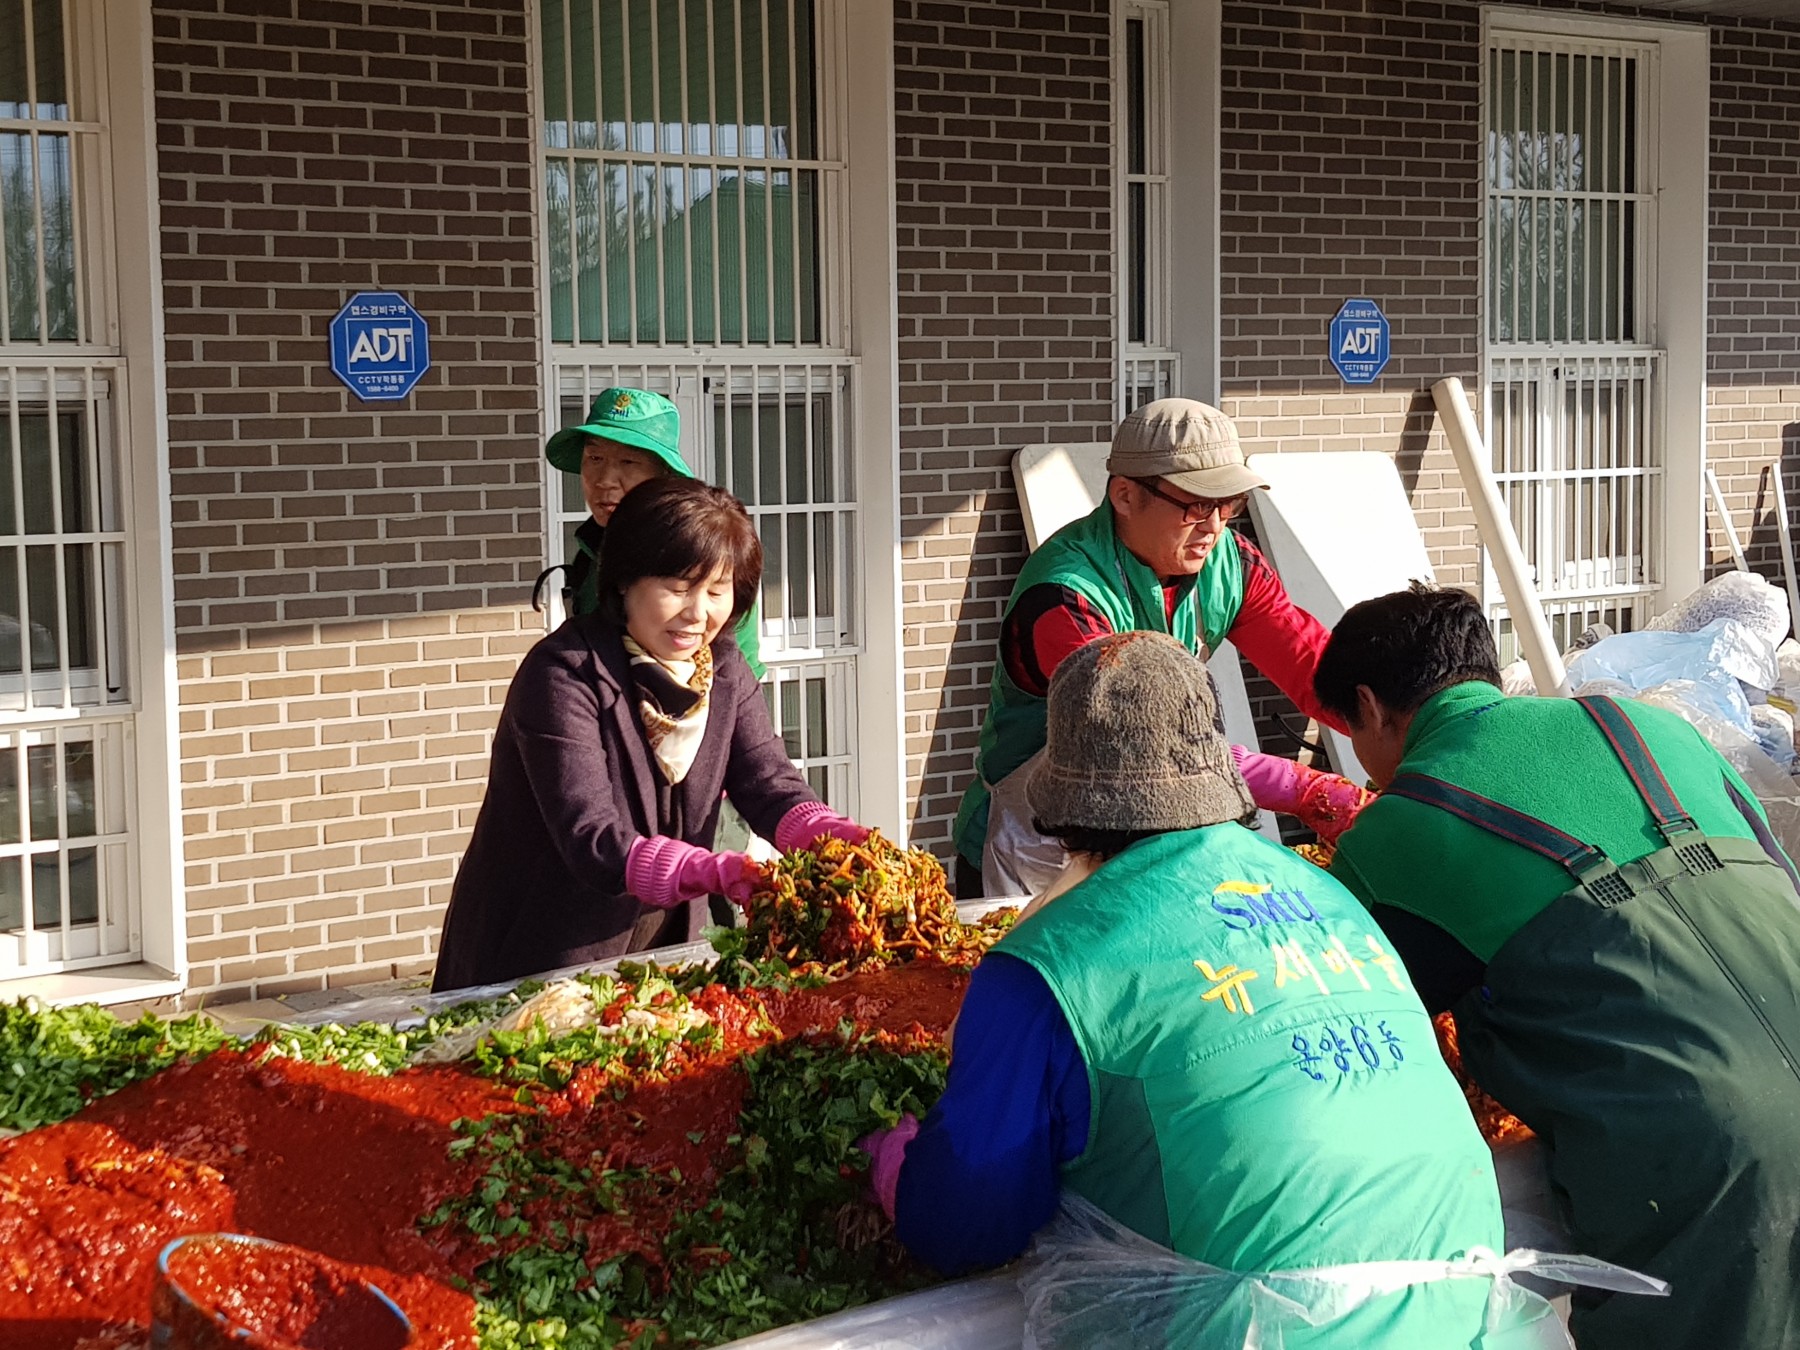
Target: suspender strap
[
  {"x": 1497, "y": 819},
  {"x": 1628, "y": 744}
]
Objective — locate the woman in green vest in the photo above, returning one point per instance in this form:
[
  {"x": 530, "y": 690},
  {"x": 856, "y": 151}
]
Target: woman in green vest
[
  {"x": 1206, "y": 1037},
  {"x": 630, "y": 437},
  {"x": 1596, "y": 893}
]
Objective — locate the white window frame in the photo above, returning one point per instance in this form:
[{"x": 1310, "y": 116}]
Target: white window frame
[
  {"x": 112, "y": 74},
  {"x": 1181, "y": 352},
  {"x": 1150, "y": 366},
  {"x": 1674, "y": 124},
  {"x": 859, "y": 309}
]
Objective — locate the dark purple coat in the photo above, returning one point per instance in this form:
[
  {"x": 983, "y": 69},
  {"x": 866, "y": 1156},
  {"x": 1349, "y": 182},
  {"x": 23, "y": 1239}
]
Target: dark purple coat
[{"x": 572, "y": 783}]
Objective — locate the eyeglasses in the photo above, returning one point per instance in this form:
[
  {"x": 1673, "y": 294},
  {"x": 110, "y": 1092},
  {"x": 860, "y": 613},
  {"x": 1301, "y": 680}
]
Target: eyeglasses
[{"x": 1196, "y": 511}]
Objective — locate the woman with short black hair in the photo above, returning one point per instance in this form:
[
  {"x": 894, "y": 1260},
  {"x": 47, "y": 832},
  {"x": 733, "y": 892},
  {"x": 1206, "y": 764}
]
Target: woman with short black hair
[{"x": 622, "y": 732}]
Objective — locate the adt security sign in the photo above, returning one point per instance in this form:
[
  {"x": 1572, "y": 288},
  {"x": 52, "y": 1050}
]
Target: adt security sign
[
  {"x": 1359, "y": 341},
  {"x": 379, "y": 346}
]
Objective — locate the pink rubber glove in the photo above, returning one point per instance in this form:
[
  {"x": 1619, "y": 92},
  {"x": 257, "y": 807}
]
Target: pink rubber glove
[
  {"x": 665, "y": 872},
  {"x": 811, "y": 821},
  {"x": 887, "y": 1150},
  {"x": 1324, "y": 802}
]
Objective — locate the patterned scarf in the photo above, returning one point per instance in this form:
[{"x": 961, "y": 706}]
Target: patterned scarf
[{"x": 672, "y": 700}]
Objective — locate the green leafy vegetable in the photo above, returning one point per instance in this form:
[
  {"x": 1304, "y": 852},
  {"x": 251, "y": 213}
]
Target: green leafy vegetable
[{"x": 54, "y": 1061}]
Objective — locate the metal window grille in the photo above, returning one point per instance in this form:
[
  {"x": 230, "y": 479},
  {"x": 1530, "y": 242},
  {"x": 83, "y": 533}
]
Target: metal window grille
[
  {"x": 1148, "y": 367},
  {"x": 688, "y": 196},
  {"x": 695, "y": 237},
  {"x": 47, "y": 186},
  {"x": 1574, "y": 388},
  {"x": 776, "y": 435},
  {"x": 808, "y": 704},
  {"x": 67, "y": 854},
  {"x": 1145, "y": 378}
]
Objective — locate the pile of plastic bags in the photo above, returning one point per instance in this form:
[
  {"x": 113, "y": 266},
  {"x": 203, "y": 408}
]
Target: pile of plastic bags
[{"x": 1721, "y": 659}]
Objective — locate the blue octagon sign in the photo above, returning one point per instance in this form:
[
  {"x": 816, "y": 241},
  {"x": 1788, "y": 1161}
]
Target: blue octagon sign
[
  {"x": 379, "y": 346},
  {"x": 1359, "y": 341}
]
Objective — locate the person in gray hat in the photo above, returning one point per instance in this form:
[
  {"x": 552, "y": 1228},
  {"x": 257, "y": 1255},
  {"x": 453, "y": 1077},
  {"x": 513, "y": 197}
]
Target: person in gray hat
[
  {"x": 1157, "y": 554},
  {"x": 1205, "y": 1037}
]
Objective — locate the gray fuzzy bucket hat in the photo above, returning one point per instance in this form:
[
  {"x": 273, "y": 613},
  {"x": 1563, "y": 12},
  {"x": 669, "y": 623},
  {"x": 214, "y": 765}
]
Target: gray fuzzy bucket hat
[{"x": 1133, "y": 742}]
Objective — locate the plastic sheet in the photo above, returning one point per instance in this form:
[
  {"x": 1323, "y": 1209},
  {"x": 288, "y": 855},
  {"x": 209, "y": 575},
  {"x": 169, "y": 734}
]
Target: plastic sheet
[
  {"x": 1712, "y": 664},
  {"x": 1742, "y": 596},
  {"x": 410, "y": 1007},
  {"x": 1090, "y": 1282},
  {"x": 1774, "y": 730},
  {"x": 980, "y": 1314}
]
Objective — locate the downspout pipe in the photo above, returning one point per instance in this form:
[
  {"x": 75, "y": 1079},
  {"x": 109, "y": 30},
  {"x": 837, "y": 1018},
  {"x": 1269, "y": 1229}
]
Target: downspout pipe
[{"x": 1493, "y": 522}]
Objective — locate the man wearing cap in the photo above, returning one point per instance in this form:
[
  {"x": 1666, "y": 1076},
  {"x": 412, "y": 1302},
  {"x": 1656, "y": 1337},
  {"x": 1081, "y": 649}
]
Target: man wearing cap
[
  {"x": 1156, "y": 554},
  {"x": 630, "y": 436},
  {"x": 1597, "y": 896},
  {"x": 1206, "y": 1038}
]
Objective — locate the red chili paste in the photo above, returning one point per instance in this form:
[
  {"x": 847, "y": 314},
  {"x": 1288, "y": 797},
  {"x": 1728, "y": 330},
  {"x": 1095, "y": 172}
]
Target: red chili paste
[
  {"x": 920, "y": 996},
  {"x": 338, "y": 1162},
  {"x": 343, "y": 1164},
  {"x": 265, "y": 1296}
]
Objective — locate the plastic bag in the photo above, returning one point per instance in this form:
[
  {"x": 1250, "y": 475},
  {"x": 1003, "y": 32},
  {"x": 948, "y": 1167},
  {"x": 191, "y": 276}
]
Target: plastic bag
[
  {"x": 1712, "y": 664},
  {"x": 1017, "y": 860},
  {"x": 1516, "y": 679},
  {"x": 1090, "y": 1282},
  {"x": 1774, "y": 728},
  {"x": 1743, "y": 596}
]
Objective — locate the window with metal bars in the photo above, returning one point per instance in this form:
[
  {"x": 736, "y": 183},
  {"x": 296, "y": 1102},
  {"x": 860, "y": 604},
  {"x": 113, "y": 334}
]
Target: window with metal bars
[
  {"x": 1149, "y": 367},
  {"x": 67, "y": 888},
  {"x": 694, "y": 225},
  {"x": 1574, "y": 382},
  {"x": 682, "y": 171},
  {"x": 775, "y": 435},
  {"x": 40, "y": 281}
]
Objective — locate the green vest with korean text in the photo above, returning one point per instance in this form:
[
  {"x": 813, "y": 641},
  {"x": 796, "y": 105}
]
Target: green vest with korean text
[
  {"x": 1266, "y": 1089},
  {"x": 1087, "y": 557}
]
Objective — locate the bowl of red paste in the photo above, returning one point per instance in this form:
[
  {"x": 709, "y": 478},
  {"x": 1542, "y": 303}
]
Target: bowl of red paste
[{"x": 226, "y": 1291}]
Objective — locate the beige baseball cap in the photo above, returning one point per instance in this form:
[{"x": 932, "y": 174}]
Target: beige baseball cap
[{"x": 1189, "y": 444}]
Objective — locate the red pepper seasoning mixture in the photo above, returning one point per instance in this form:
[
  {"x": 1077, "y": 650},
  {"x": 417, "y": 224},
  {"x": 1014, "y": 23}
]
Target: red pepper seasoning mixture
[
  {"x": 225, "y": 1292},
  {"x": 338, "y": 1162},
  {"x": 344, "y": 1164}
]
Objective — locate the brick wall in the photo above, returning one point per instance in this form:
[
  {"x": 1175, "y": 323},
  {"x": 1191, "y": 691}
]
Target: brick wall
[
  {"x": 349, "y": 576},
  {"x": 1349, "y": 167},
  {"x": 1005, "y": 329},
  {"x": 1753, "y": 282}
]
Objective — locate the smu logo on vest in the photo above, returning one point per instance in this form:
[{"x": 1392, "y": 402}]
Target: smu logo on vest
[
  {"x": 379, "y": 345},
  {"x": 1244, "y": 905}
]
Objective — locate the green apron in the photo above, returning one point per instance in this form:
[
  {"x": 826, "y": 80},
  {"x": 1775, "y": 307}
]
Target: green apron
[{"x": 1646, "y": 1025}]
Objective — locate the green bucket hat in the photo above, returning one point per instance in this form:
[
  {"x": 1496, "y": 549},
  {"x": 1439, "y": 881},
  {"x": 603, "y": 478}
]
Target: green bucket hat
[{"x": 633, "y": 417}]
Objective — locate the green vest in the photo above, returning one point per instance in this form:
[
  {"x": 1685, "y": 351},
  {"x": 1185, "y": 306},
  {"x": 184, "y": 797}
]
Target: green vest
[
  {"x": 1542, "y": 756},
  {"x": 1087, "y": 557},
  {"x": 1266, "y": 1088},
  {"x": 1646, "y": 1023}
]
